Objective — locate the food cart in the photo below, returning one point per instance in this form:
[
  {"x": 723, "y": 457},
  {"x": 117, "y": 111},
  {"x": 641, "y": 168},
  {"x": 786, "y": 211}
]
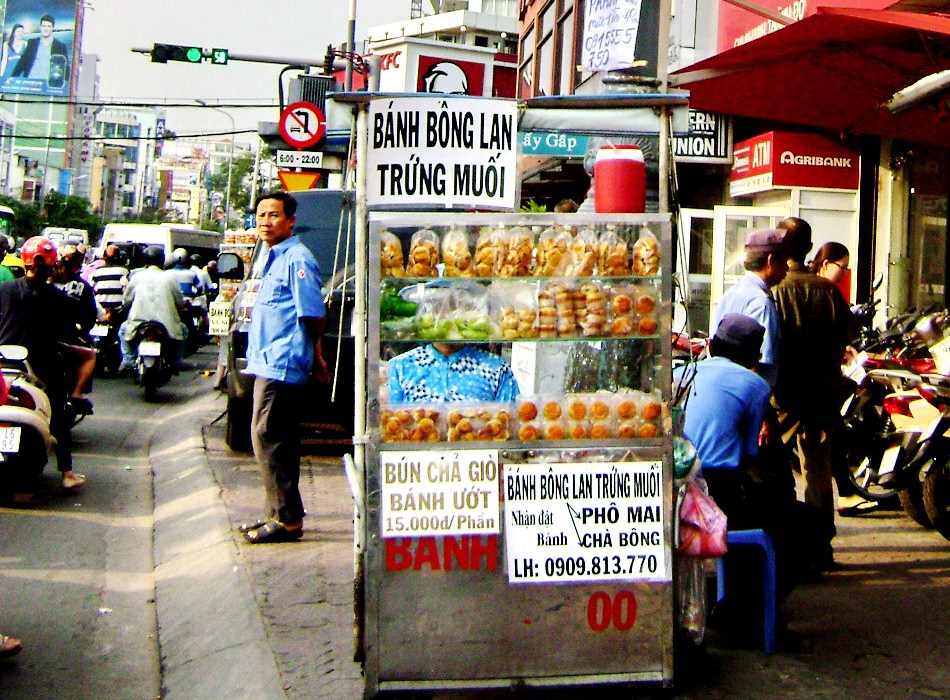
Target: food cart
[{"x": 523, "y": 542}]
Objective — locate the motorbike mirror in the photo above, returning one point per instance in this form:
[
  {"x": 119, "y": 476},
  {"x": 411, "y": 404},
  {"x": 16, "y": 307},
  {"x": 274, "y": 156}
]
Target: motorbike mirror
[
  {"x": 13, "y": 353},
  {"x": 878, "y": 281},
  {"x": 230, "y": 266}
]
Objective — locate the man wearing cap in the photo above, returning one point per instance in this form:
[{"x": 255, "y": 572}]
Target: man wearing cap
[
  {"x": 816, "y": 326},
  {"x": 766, "y": 263},
  {"x": 724, "y": 409}
]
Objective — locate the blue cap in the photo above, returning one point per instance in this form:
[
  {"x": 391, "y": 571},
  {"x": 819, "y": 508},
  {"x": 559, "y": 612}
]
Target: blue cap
[
  {"x": 740, "y": 331},
  {"x": 769, "y": 240}
]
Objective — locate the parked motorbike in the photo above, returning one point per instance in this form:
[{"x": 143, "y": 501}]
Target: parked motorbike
[
  {"x": 153, "y": 357},
  {"x": 25, "y": 439}
]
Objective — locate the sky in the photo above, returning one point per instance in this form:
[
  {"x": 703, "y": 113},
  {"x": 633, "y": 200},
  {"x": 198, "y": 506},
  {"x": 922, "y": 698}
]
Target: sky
[{"x": 295, "y": 29}]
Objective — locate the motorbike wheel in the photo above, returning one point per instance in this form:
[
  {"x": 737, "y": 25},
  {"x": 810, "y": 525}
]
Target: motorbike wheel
[
  {"x": 862, "y": 477},
  {"x": 912, "y": 501},
  {"x": 937, "y": 499}
]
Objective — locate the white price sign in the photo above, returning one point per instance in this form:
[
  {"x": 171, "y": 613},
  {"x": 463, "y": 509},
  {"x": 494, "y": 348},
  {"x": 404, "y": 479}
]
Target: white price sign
[
  {"x": 572, "y": 523},
  {"x": 442, "y": 151},
  {"x": 439, "y": 493},
  {"x": 219, "y": 317},
  {"x": 299, "y": 159}
]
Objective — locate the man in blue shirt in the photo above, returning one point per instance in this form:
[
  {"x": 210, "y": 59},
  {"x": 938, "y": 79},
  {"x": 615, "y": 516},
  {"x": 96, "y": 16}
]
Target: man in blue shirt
[
  {"x": 724, "y": 409},
  {"x": 287, "y": 322},
  {"x": 446, "y": 372},
  {"x": 766, "y": 264}
]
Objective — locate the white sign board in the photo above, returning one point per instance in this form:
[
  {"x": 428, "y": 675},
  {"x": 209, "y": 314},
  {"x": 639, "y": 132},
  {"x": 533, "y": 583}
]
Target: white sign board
[
  {"x": 571, "y": 523},
  {"x": 219, "y": 317},
  {"x": 439, "y": 493},
  {"x": 610, "y": 34},
  {"x": 299, "y": 159},
  {"x": 442, "y": 151}
]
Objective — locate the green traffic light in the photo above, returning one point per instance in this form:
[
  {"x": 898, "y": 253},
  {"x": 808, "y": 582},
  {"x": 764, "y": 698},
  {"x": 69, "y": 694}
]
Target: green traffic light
[{"x": 193, "y": 54}]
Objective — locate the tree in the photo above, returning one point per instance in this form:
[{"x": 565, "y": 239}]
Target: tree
[
  {"x": 28, "y": 220},
  {"x": 67, "y": 211},
  {"x": 241, "y": 171}
]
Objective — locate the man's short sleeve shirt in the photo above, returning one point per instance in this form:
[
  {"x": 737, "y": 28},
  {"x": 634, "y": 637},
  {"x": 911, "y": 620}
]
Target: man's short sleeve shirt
[
  {"x": 290, "y": 290},
  {"x": 425, "y": 375},
  {"x": 751, "y": 297},
  {"x": 724, "y": 412}
]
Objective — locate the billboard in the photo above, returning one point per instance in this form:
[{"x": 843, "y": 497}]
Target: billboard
[{"x": 37, "y": 52}]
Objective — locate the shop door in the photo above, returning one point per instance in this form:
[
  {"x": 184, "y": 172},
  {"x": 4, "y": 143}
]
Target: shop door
[
  {"x": 731, "y": 226},
  {"x": 694, "y": 258}
]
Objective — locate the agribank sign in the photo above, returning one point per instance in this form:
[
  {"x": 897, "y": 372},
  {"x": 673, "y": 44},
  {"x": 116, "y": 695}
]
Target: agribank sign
[
  {"x": 782, "y": 160},
  {"x": 442, "y": 151}
]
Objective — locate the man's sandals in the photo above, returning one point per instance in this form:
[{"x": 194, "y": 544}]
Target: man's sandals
[
  {"x": 267, "y": 531},
  {"x": 9, "y": 646}
]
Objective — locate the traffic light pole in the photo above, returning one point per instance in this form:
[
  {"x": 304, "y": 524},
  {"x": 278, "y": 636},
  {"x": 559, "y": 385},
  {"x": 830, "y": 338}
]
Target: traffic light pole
[{"x": 250, "y": 58}]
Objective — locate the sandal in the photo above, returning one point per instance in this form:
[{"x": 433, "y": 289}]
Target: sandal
[
  {"x": 250, "y": 527},
  {"x": 273, "y": 531},
  {"x": 9, "y": 646},
  {"x": 859, "y": 509},
  {"x": 72, "y": 481},
  {"x": 81, "y": 405}
]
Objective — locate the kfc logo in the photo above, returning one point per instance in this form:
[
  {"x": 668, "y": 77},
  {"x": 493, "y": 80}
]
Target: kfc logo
[{"x": 440, "y": 76}]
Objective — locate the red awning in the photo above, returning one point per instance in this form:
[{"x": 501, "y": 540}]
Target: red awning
[{"x": 834, "y": 70}]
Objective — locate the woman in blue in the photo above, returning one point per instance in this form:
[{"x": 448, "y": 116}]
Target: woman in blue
[
  {"x": 450, "y": 373},
  {"x": 12, "y": 49}
]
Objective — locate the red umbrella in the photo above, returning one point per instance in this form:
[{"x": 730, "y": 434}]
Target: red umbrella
[{"x": 836, "y": 69}]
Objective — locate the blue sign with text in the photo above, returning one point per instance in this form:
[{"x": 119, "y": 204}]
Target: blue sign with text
[{"x": 540, "y": 143}]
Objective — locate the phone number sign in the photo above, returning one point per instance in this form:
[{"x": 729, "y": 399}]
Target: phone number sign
[{"x": 573, "y": 523}]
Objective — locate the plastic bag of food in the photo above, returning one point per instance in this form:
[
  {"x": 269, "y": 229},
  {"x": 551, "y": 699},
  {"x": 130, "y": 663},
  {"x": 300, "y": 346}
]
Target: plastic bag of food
[
  {"x": 486, "y": 421},
  {"x": 556, "y": 317},
  {"x": 517, "y": 258},
  {"x": 553, "y": 244},
  {"x": 582, "y": 254},
  {"x": 456, "y": 312},
  {"x": 514, "y": 308},
  {"x": 590, "y": 309},
  {"x": 411, "y": 423},
  {"x": 390, "y": 260},
  {"x": 491, "y": 248},
  {"x": 702, "y": 524},
  {"x": 622, "y": 308},
  {"x": 423, "y": 254},
  {"x": 646, "y": 254},
  {"x": 456, "y": 254},
  {"x": 613, "y": 253}
]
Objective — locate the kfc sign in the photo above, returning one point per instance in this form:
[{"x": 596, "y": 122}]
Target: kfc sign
[
  {"x": 449, "y": 76},
  {"x": 782, "y": 160}
]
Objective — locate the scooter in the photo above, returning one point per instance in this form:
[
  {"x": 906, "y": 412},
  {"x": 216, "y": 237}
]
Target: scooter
[
  {"x": 105, "y": 339},
  {"x": 153, "y": 364},
  {"x": 25, "y": 439}
]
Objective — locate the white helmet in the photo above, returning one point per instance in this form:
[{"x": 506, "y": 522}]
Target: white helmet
[{"x": 180, "y": 256}]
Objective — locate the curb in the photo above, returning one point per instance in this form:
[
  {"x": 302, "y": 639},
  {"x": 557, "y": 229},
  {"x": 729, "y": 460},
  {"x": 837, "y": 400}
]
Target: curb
[{"x": 211, "y": 636}]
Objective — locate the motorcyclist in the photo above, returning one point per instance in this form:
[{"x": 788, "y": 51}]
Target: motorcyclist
[
  {"x": 38, "y": 316},
  {"x": 110, "y": 280},
  {"x": 188, "y": 280},
  {"x": 152, "y": 295},
  {"x": 10, "y": 259},
  {"x": 206, "y": 284},
  {"x": 85, "y": 312},
  {"x": 6, "y": 273}
]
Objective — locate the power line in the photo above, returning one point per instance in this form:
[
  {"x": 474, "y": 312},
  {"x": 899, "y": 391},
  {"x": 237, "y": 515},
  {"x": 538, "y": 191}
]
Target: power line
[{"x": 127, "y": 102}]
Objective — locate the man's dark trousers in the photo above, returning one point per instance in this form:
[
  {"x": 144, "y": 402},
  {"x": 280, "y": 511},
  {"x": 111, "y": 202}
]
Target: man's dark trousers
[{"x": 275, "y": 436}]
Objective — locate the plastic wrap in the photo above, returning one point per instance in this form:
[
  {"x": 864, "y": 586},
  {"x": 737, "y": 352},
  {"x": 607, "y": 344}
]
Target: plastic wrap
[
  {"x": 390, "y": 261},
  {"x": 456, "y": 254},
  {"x": 423, "y": 254}
]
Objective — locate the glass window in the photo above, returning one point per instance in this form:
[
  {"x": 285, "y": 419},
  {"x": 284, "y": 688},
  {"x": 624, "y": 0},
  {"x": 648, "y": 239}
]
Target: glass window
[
  {"x": 546, "y": 68},
  {"x": 547, "y": 20},
  {"x": 568, "y": 64}
]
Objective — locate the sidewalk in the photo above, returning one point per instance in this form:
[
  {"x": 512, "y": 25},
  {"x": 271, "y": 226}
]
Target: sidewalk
[{"x": 274, "y": 621}]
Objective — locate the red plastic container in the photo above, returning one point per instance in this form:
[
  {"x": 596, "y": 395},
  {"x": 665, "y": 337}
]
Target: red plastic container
[{"x": 619, "y": 180}]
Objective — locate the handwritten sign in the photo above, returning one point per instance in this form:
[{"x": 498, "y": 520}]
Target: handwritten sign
[
  {"x": 443, "y": 152},
  {"x": 610, "y": 34},
  {"x": 568, "y": 523}
]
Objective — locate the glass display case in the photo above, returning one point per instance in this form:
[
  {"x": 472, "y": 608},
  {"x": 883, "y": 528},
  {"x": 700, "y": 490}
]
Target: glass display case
[{"x": 519, "y": 461}]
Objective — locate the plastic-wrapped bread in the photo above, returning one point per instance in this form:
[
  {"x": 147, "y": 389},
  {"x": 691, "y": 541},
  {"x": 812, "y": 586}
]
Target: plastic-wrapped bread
[
  {"x": 491, "y": 247},
  {"x": 517, "y": 260},
  {"x": 590, "y": 310},
  {"x": 646, "y": 255},
  {"x": 423, "y": 254},
  {"x": 514, "y": 307},
  {"x": 613, "y": 254},
  {"x": 390, "y": 256},
  {"x": 553, "y": 244},
  {"x": 456, "y": 254},
  {"x": 582, "y": 254}
]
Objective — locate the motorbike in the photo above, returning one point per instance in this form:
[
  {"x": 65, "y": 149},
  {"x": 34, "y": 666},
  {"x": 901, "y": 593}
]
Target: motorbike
[
  {"x": 196, "y": 320},
  {"x": 105, "y": 340},
  {"x": 153, "y": 361},
  {"x": 25, "y": 439}
]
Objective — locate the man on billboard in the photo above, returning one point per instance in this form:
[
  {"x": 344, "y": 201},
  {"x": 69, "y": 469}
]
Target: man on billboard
[{"x": 44, "y": 57}]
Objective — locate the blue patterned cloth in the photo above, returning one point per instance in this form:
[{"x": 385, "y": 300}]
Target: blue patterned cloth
[{"x": 424, "y": 375}]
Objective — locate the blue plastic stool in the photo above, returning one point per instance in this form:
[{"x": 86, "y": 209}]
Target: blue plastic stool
[{"x": 758, "y": 538}]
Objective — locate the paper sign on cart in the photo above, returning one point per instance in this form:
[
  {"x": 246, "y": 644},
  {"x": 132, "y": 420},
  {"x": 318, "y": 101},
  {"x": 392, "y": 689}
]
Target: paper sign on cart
[
  {"x": 426, "y": 493},
  {"x": 572, "y": 523}
]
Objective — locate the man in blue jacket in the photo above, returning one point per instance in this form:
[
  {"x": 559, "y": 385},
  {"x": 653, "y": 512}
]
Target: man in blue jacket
[{"x": 287, "y": 322}]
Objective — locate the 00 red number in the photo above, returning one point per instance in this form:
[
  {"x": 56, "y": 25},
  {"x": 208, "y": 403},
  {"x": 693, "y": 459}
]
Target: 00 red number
[{"x": 621, "y": 611}]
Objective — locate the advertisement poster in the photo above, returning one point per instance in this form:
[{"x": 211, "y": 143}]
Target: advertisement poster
[
  {"x": 37, "y": 51},
  {"x": 574, "y": 523}
]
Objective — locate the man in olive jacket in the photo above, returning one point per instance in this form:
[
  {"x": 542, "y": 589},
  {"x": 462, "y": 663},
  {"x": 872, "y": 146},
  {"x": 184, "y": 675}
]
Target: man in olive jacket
[{"x": 817, "y": 325}]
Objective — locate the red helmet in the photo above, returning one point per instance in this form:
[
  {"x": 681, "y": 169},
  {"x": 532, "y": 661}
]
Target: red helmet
[{"x": 38, "y": 247}]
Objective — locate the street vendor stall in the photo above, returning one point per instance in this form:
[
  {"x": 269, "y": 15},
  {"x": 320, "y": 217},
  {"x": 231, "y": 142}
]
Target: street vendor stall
[{"x": 515, "y": 455}]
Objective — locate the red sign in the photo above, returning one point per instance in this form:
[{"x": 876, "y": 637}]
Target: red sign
[
  {"x": 738, "y": 26},
  {"x": 782, "y": 159},
  {"x": 302, "y": 124},
  {"x": 451, "y": 76}
]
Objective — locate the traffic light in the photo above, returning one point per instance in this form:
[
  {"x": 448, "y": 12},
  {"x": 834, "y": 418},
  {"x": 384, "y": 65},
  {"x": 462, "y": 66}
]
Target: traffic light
[{"x": 163, "y": 53}]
